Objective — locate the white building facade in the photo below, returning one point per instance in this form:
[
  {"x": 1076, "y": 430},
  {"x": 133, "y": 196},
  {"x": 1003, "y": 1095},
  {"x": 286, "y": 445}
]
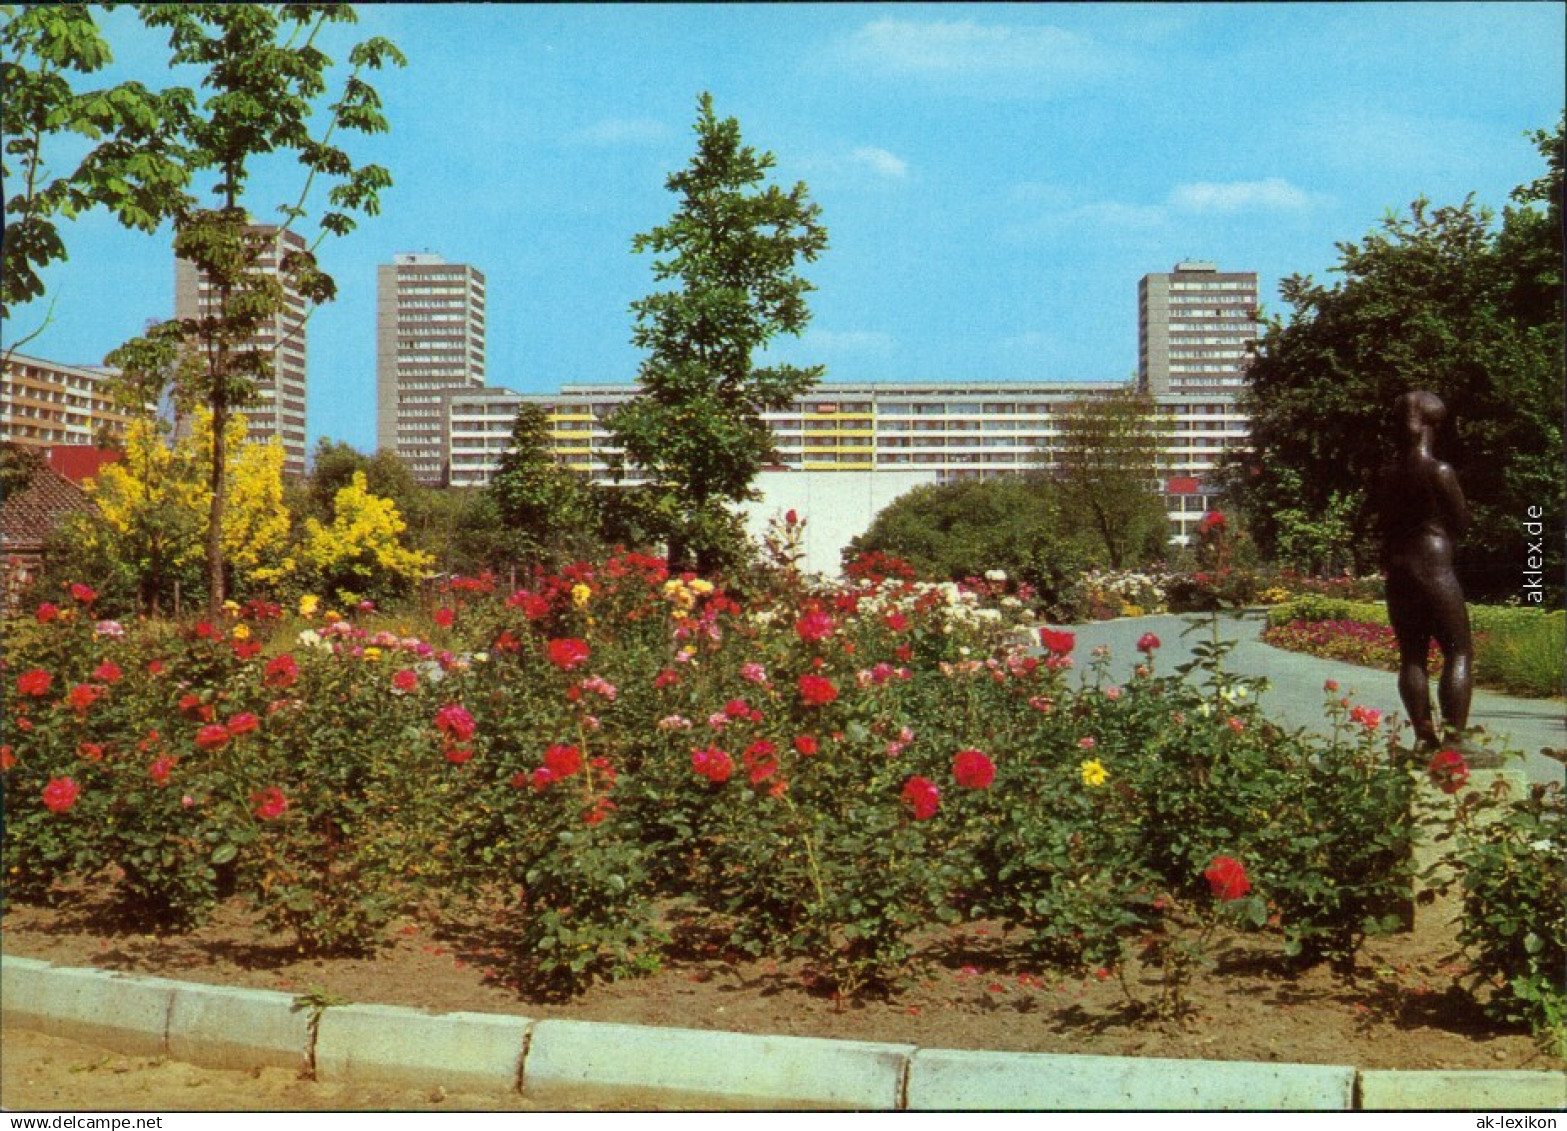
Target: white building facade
[{"x": 935, "y": 431}]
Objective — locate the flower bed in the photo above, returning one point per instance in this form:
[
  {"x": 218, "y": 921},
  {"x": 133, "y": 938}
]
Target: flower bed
[
  {"x": 815, "y": 775},
  {"x": 1355, "y": 642}
]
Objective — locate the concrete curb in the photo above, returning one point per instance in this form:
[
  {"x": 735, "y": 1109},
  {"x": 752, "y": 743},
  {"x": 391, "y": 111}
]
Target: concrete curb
[
  {"x": 412, "y": 1048},
  {"x": 953, "y": 1080},
  {"x": 585, "y": 1063}
]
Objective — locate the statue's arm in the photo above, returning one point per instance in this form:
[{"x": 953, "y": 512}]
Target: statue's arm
[{"x": 1455, "y": 512}]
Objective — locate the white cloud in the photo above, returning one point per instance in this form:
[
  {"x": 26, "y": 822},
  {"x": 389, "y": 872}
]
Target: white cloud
[
  {"x": 881, "y": 161},
  {"x": 855, "y": 341},
  {"x": 962, "y": 47},
  {"x": 624, "y": 131},
  {"x": 1273, "y": 194}
]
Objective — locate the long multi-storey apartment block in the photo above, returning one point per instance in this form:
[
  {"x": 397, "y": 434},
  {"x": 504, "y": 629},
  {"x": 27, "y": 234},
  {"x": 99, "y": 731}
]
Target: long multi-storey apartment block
[
  {"x": 952, "y": 429},
  {"x": 44, "y": 404}
]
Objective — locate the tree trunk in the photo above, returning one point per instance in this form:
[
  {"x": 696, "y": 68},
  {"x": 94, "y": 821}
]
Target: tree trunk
[{"x": 215, "y": 576}]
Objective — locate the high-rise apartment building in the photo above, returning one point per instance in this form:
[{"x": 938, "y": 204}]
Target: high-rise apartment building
[
  {"x": 44, "y": 404},
  {"x": 429, "y": 344},
  {"x": 1195, "y": 329},
  {"x": 279, "y": 408}
]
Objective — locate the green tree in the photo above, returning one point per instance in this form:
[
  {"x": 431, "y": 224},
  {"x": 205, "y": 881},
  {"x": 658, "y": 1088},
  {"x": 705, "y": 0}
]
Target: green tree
[
  {"x": 1106, "y": 468},
  {"x": 332, "y": 467},
  {"x": 129, "y": 169},
  {"x": 732, "y": 247},
  {"x": 952, "y": 531},
  {"x": 266, "y": 76},
  {"x": 547, "y": 509},
  {"x": 1442, "y": 300}
]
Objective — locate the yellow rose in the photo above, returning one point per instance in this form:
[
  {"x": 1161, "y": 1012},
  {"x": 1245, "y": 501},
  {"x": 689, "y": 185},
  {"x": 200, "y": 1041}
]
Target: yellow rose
[
  {"x": 580, "y": 594},
  {"x": 308, "y": 604},
  {"x": 241, "y": 632},
  {"x": 701, "y": 586},
  {"x": 373, "y": 654},
  {"x": 1093, "y": 772}
]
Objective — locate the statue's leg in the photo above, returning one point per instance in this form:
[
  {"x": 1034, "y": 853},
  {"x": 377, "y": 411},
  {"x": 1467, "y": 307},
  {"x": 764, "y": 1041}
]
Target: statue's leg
[
  {"x": 1409, "y": 612},
  {"x": 1456, "y": 687}
]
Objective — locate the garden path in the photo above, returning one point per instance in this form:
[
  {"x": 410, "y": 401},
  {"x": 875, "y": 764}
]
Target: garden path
[{"x": 1295, "y": 697}]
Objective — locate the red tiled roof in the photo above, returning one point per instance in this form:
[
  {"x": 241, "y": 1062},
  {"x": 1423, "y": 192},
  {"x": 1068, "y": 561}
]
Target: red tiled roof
[
  {"x": 80, "y": 461},
  {"x": 29, "y": 515}
]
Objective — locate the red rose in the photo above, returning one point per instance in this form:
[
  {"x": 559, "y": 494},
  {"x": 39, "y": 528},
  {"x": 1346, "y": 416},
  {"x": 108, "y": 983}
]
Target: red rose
[
  {"x": 1368, "y": 717},
  {"x": 242, "y": 723},
  {"x": 455, "y": 722},
  {"x": 35, "y": 682},
  {"x": 194, "y": 708},
  {"x": 84, "y": 695},
  {"x": 7, "y": 757},
  {"x": 281, "y": 671},
  {"x": 90, "y": 751},
  {"x": 713, "y": 764},
  {"x": 444, "y": 617},
  {"x": 737, "y": 708},
  {"x": 405, "y": 680},
  {"x": 162, "y": 766},
  {"x": 568, "y": 653},
  {"x": 761, "y": 761},
  {"x": 817, "y": 691},
  {"x": 60, "y": 794},
  {"x": 897, "y": 622},
  {"x": 1060, "y": 643},
  {"x": 457, "y": 755},
  {"x": 806, "y": 744},
  {"x": 972, "y": 769},
  {"x": 85, "y": 594},
  {"x": 1213, "y": 520},
  {"x": 246, "y": 649},
  {"x": 212, "y": 737},
  {"x": 1448, "y": 771},
  {"x": 540, "y": 779},
  {"x": 154, "y": 667},
  {"x": 269, "y": 803},
  {"x": 814, "y": 626},
  {"x": 562, "y": 761},
  {"x": 46, "y": 612},
  {"x": 922, "y": 796},
  {"x": 1226, "y": 877},
  {"x": 109, "y": 672},
  {"x": 1148, "y": 642}
]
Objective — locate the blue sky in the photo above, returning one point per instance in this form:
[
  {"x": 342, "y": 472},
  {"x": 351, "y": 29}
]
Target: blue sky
[{"x": 994, "y": 179}]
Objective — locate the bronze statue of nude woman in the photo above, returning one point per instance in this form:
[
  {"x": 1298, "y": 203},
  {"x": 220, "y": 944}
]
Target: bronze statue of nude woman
[{"x": 1422, "y": 515}]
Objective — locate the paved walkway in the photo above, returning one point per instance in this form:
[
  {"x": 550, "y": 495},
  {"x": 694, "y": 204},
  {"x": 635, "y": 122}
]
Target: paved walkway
[{"x": 1295, "y": 697}]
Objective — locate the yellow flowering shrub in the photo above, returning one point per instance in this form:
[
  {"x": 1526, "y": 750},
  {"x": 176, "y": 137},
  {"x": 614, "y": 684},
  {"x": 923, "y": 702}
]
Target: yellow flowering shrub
[{"x": 361, "y": 553}]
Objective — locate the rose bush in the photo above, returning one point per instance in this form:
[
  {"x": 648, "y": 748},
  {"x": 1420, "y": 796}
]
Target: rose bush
[{"x": 817, "y": 772}]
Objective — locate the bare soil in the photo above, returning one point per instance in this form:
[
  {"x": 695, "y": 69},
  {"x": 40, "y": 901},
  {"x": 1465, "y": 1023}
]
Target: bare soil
[{"x": 1405, "y": 1007}]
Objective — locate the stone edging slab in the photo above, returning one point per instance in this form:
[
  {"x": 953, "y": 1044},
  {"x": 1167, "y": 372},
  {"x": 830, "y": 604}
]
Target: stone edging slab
[{"x": 581, "y": 1063}]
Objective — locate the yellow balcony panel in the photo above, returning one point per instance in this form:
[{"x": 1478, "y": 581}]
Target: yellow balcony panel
[
  {"x": 555, "y": 417},
  {"x": 573, "y": 451},
  {"x": 834, "y": 465},
  {"x": 571, "y": 432}
]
